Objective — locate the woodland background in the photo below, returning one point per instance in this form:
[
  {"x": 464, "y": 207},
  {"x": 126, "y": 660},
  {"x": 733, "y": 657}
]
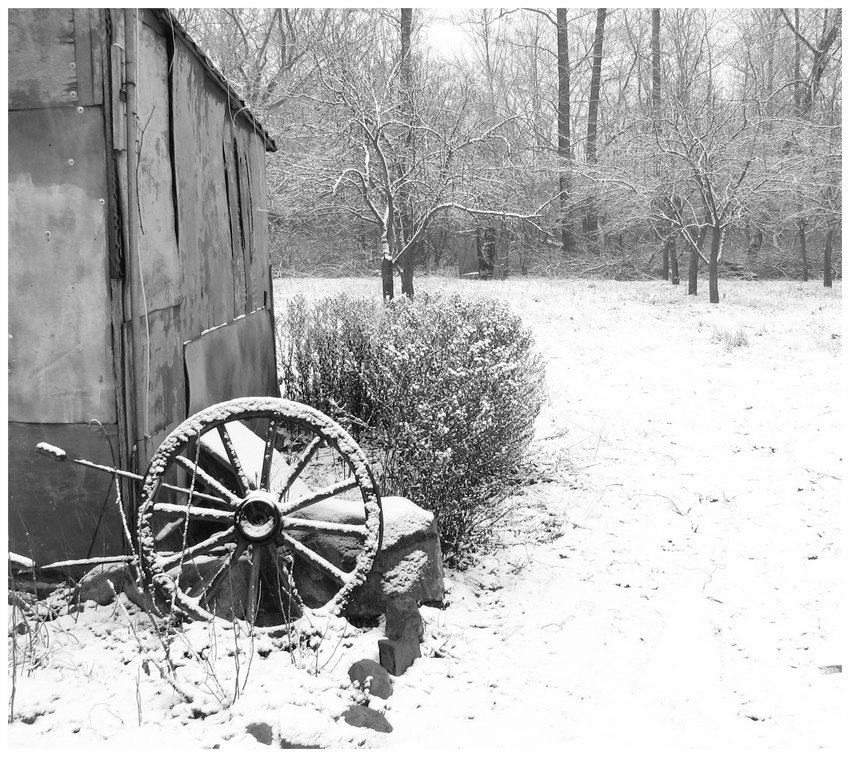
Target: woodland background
[{"x": 618, "y": 142}]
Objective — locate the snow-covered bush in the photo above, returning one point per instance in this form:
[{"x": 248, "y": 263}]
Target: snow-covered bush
[{"x": 442, "y": 392}]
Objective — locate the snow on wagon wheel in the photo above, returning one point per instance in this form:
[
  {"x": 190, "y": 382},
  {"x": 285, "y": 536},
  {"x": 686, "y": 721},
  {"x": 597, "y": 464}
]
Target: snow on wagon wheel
[{"x": 261, "y": 510}]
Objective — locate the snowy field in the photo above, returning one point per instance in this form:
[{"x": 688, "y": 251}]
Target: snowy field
[{"x": 672, "y": 582}]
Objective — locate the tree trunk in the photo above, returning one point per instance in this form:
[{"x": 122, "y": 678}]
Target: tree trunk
[
  {"x": 590, "y": 220},
  {"x": 797, "y": 99},
  {"x": 693, "y": 266},
  {"x": 665, "y": 261},
  {"x": 674, "y": 260},
  {"x": 656, "y": 65},
  {"x": 827, "y": 258},
  {"x": 386, "y": 269},
  {"x": 755, "y": 238},
  {"x": 408, "y": 260},
  {"x": 717, "y": 237},
  {"x": 803, "y": 254},
  {"x": 693, "y": 263},
  {"x": 564, "y": 128}
]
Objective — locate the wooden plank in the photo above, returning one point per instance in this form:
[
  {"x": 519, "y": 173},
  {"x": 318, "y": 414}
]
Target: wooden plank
[
  {"x": 55, "y": 508},
  {"x": 60, "y": 355},
  {"x": 42, "y": 58}
]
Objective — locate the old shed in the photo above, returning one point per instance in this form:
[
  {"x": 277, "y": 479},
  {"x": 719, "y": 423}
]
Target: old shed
[{"x": 139, "y": 279}]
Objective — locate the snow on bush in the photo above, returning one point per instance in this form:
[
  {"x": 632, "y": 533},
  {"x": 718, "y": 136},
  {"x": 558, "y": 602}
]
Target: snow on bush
[{"x": 441, "y": 391}]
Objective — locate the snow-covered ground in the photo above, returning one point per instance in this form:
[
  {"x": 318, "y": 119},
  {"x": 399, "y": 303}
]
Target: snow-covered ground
[{"x": 677, "y": 585}]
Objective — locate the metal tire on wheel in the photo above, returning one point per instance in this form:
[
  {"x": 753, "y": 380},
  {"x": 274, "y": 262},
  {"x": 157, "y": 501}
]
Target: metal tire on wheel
[{"x": 225, "y": 526}]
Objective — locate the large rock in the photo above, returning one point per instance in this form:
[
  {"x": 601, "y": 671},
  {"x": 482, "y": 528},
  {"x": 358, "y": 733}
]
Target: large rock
[{"x": 409, "y": 563}]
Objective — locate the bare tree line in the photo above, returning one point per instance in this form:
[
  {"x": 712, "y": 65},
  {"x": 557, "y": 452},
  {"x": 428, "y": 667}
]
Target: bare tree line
[{"x": 618, "y": 136}]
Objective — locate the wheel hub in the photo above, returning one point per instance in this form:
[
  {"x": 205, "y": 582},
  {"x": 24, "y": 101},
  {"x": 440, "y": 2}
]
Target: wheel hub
[{"x": 257, "y": 517}]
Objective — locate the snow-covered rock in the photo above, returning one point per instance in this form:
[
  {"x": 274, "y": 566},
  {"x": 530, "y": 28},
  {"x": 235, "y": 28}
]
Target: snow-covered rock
[{"x": 409, "y": 563}]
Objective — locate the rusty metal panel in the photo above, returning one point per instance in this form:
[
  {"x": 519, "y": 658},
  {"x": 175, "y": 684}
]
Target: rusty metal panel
[
  {"x": 199, "y": 113},
  {"x": 157, "y": 237},
  {"x": 162, "y": 353},
  {"x": 238, "y": 239},
  {"x": 235, "y": 360},
  {"x": 60, "y": 347},
  {"x": 253, "y": 150},
  {"x": 59, "y": 510},
  {"x": 42, "y": 58},
  {"x": 89, "y": 34}
]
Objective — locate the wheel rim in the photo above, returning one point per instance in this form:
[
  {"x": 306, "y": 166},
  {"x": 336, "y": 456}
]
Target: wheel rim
[{"x": 259, "y": 510}]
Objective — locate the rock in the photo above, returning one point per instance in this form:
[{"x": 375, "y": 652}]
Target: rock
[
  {"x": 105, "y": 581},
  {"x": 261, "y": 731},
  {"x": 408, "y": 564},
  {"x": 397, "y": 655},
  {"x": 403, "y": 619},
  {"x": 102, "y": 583},
  {"x": 363, "y": 717},
  {"x": 380, "y": 685}
]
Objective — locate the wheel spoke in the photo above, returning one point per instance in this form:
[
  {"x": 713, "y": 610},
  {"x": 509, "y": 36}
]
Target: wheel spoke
[
  {"x": 268, "y": 453},
  {"x": 318, "y": 496},
  {"x": 315, "y": 560},
  {"x": 200, "y": 495},
  {"x": 242, "y": 482},
  {"x": 324, "y": 526},
  {"x": 211, "y": 585},
  {"x": 196, "y": 513},
  {"x": 207, "y": 480},
  {"x": 300, "y": 463},
  {"x": 202, "y": 547},
  {"x": 254, "y": 585}
]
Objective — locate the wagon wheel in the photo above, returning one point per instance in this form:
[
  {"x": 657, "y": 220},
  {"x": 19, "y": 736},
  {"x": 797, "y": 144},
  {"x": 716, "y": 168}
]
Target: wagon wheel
[{"x": 258, "y": 509}]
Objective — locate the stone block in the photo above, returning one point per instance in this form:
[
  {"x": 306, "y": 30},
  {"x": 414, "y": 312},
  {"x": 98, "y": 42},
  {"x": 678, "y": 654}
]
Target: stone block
[{"x": 397, "y": 655}]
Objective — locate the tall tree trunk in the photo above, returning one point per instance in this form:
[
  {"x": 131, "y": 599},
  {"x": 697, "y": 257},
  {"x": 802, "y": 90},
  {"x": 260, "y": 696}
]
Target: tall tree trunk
[
  {"x": 656, "y": 65},
  {"x": 408, "y": 260},
  {"x": 665, "y": 261},
  {"x": 827, "y": 257},
  {"x": 755, "y": 239},
  {"x": 713, "y": 258},
  {"x": 674, "y": 260},
  {"x": 801, "y": 227},
  {"x": 797, "y": 99},
  {"x": 590, "y": 220},
  {"x": 386, "y": 269},
  {"x": 564, "y": 128},
  {"x": 693, "y": 263}
]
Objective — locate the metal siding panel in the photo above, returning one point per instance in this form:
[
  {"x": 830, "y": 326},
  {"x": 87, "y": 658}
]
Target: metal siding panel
[
  {"x": 42, "y": 58},
  {"x": 158, "y": 251},
  {"x": 231, "y": 361},
  {"x": 199, "y": 113},
  {"x": 166, "y": 393},
  {"x": 54, "y": 507},
  {"x": 60, "y": 348}
]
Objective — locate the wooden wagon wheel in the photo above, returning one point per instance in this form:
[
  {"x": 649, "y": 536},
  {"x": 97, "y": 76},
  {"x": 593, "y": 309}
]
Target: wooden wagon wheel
[{"x": 234, "y": 517}]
